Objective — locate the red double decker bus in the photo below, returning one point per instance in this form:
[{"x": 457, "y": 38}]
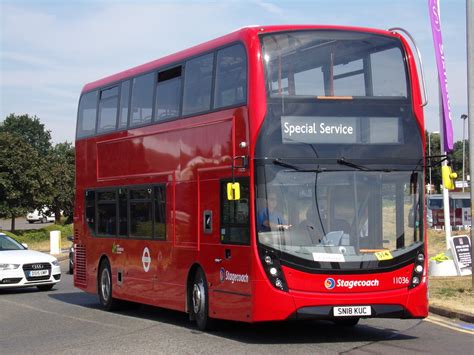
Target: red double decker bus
[{"x": 273, "y": 173}]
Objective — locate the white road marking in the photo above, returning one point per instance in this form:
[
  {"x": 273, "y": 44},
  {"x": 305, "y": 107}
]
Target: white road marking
[{"x": 443, "y": 323}]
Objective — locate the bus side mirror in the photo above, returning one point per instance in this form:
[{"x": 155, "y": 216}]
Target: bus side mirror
[
  {"x": 448, "y": 177},
  {"x": 233, "y": 191}
]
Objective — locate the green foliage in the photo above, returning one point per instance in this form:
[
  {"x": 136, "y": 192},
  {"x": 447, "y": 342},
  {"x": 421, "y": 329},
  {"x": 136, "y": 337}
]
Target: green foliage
[
  {"x": 23, "y": 177},
  {"x": 434, "y": 141},
  {"x": 62, "y": 175},
  {"x": 30, "y": 129},
  {"x": 455, "y": 158},
  {"x": 33, "y": 173},
  {"x": 40, "y": 235}
]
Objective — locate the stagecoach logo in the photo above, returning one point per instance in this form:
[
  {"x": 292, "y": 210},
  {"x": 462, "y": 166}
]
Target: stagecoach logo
[
  {"x": 330, "y": 283},
  {"x": 146, "y": 259},
  {"x": 229, "y": 276}
]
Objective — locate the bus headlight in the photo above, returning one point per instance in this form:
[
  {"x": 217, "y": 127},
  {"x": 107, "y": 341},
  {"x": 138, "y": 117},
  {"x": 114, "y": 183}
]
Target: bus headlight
[
  {"x": 279, "y": 283},
  {"x": 417, "y": 271},
  {"x": 272, "y": 267}
]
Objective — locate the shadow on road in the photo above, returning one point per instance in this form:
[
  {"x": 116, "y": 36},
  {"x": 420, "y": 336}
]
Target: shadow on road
[{"x": 291, "y": 332}]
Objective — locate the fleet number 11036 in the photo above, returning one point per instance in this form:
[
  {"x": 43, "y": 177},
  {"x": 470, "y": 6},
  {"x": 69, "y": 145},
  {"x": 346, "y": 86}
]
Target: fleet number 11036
[{"x": 401, "y": 280}]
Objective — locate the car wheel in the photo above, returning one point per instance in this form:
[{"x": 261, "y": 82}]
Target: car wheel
[
  {"x": 200, "y": 302},
  {"x": 347, "y": 322},
  {"x": 71, "y": 267},
  {"x": 44, "y": 220},
  {"x": 45, "y": 287},
  {"x": 31, "y": 222},
  {"x": 105, "y": 287}
]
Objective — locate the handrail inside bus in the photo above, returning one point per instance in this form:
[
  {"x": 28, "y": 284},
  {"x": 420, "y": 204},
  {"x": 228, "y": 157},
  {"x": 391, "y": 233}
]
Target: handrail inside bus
[{"x": 419, "y": 60}]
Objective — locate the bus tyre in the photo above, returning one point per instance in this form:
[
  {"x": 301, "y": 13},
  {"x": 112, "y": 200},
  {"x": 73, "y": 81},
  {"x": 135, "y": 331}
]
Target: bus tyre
[
  {"x": 200, "y": 302},
  {"x": 347, "y": 322},
  {"x": 105, "y": 287}
]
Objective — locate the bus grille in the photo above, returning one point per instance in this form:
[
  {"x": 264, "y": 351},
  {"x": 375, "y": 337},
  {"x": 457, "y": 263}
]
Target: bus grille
[{"x": 80, "y": 277}]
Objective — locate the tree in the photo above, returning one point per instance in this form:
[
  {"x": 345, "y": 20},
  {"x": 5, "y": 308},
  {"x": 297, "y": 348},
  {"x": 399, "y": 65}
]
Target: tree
[
  {"x": 435, "y": 150},
  {"x": 61, "y": 168},
  {"x": 457, "y": 159},
  {"x": 30, "y": 129},
  {"x": 23, "y": 181}
]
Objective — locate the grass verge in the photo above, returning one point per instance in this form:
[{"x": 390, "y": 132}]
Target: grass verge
[
  {"x": 452, "y": 292},
  {"x": 38, "y": 239}
]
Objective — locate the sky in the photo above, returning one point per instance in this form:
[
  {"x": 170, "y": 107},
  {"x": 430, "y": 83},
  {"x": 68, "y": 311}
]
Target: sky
[{"x": 51, "y": 49}]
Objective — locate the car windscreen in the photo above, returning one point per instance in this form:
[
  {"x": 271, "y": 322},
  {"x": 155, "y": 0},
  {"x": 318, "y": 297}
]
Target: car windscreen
[{"x": 8, "y": 243}]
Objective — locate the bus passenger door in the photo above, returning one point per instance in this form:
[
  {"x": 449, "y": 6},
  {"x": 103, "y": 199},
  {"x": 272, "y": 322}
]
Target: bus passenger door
[{"x": 229, "y": 293}]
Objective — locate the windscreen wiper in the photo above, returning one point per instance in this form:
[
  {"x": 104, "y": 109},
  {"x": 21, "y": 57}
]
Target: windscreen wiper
[
  {"x": 294, "y": 167},
  {"x": 343, "y": 161}
]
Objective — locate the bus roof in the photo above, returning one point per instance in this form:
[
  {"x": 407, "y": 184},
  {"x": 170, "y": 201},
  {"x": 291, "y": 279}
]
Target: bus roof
[{"x": 240, "y": 34}]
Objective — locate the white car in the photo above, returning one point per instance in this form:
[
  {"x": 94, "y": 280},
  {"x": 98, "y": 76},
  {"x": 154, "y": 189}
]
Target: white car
[
  {"x": 40, "y": 216},
  {"x": 20, "y": 267}
]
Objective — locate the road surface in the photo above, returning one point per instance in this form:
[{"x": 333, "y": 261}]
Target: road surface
[{"x": 66, "y": 320}]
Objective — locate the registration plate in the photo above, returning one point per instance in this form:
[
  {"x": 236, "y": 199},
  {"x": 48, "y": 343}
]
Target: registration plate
[
  {"x": 352, "y": 311},
  {"x": 36, "y": 273}
]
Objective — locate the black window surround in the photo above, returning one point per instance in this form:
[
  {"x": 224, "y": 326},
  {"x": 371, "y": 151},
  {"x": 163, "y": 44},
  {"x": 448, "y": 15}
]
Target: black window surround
[
  {"x": 235, "y": 215},
  {"x": 157, "y": 72},
  {"x": 119, "y": 218}
]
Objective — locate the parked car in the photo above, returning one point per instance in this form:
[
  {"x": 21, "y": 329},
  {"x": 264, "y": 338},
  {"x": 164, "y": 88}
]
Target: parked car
[
  {"x": 20, "y": 267},
  {"x": 40, "y": 216},
  {"x": 71, "y": 255}
]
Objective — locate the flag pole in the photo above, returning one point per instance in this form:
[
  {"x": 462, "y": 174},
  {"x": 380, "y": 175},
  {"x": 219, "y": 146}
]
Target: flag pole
[{"x": 470, "y": 100}]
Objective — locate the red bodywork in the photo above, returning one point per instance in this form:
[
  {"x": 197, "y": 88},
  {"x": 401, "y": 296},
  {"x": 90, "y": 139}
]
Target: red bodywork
[{"x": 191, "y": 156}]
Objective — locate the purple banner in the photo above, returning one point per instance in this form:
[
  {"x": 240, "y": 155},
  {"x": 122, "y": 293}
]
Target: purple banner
[{"x": 443, "y": 80}]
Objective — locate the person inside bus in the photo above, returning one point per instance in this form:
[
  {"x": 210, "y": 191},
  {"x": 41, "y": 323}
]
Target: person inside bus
[
  {"x": 311, "y": 227},
  {"x": 269, "y": 219}
]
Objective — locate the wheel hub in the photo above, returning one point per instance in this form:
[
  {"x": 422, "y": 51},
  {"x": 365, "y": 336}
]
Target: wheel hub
[
  {"x": 105, "y": 285},
  {"x": 196, "y": 299}
]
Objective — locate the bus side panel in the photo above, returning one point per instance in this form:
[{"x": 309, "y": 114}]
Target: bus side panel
[
  {"x": 226, "y": 265},
  {"x": 417, "y": 302},
  {"x": 170, "y": 286},
  {"x": 185, "y": 215}
]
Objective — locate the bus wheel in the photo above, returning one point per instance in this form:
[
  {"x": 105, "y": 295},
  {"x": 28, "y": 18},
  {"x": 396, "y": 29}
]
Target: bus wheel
[
  {"x": 347, "y": 322},
  {"x": 105, "y": 287},
  {"x": 200, "y": 302}
]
